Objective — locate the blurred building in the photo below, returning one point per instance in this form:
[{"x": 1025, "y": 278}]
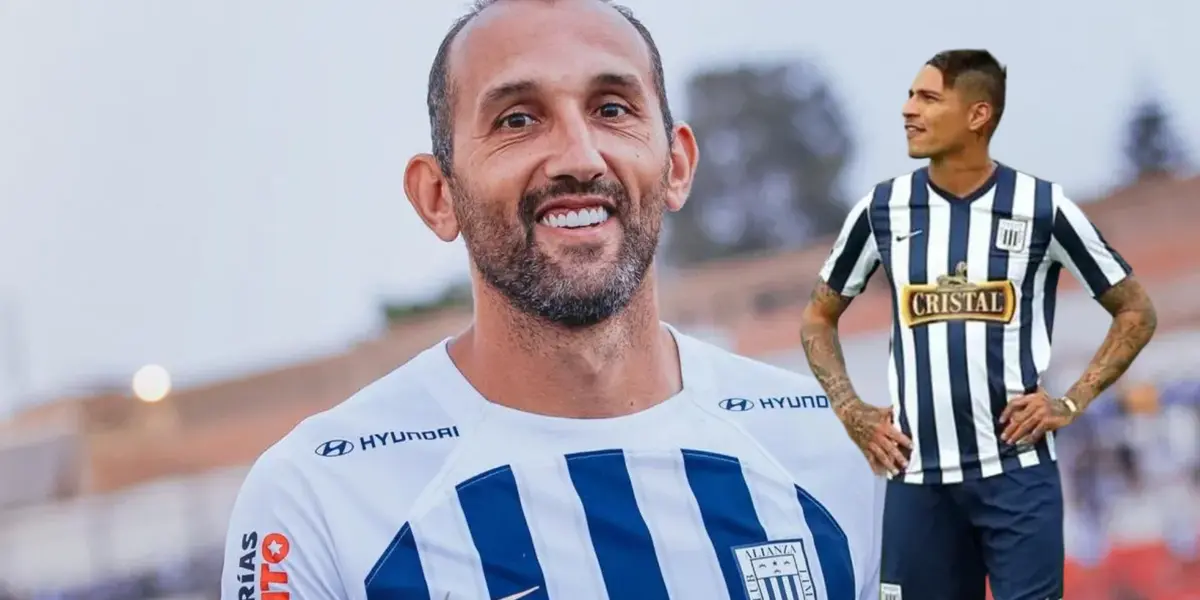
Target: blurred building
[{"x": 110, "y": 486}]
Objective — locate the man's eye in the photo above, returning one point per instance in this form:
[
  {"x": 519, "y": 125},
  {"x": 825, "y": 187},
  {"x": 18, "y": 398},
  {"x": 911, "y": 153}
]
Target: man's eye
[
  {"x": 612, "y": 110},
  {"x": 516, "y": 121}
]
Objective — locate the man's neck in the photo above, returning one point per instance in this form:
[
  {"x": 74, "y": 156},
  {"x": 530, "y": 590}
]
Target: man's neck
[
  {"x": 621, "y": 366},
  {"x": 962, "y": 172}
]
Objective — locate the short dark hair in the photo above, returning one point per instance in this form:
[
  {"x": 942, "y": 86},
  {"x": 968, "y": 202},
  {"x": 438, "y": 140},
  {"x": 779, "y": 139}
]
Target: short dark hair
[
  {"x": 978, "y": 71},
  {"x": 440, "y": 95}
]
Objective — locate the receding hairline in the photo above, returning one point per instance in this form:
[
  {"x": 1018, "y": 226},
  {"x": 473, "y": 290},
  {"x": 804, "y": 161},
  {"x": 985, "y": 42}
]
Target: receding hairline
[
  {"x": 443, "y": 89},
  {"x": 477, "y": 17}
]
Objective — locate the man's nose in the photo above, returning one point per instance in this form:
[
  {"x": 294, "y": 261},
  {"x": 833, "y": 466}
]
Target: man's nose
[{"x": 576, "y": 154}]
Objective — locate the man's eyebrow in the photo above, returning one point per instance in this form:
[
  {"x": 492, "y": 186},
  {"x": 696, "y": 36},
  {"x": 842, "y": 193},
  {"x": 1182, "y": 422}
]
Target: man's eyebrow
[
  {"x": 920, "y": 91},
  {"x": 507, "y": 91},
  {"x": 618, "y": 80}
]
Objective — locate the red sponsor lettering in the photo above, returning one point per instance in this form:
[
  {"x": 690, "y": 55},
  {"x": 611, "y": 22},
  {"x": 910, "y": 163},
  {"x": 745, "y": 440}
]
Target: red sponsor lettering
[
  {"x": 274, "y": 549},
  {"x": 267, "y": 576}
]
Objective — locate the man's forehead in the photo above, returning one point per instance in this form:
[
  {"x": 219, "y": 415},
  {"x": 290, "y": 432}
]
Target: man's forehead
[
  {"x": 545, "y": 41},
  {"x": 929, "y": 78}
]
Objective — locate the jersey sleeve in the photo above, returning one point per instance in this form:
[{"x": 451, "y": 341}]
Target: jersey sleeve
[
  {"x": 855, "y": 254},
  {"x": 276, "y": 547},
  {"x": 1076, "y": 244}
]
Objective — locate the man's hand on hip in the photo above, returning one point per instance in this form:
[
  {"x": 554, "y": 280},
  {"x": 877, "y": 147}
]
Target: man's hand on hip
[
  {"x": 871, "y": 428},
  {"x": 1029, "y": 417}
]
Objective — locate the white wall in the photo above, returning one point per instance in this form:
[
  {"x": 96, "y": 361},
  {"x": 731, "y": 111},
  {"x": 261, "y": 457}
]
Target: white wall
[{"x": 90, "y": 539}]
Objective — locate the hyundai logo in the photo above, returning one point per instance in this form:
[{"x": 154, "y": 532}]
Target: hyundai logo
[
  {"x": 335, "y": 448},
  {"x": 737, "y": 404}
]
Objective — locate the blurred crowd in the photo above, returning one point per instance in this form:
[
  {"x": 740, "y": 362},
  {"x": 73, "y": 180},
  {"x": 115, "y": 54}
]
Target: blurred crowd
[
  {"x": 193, "y": 580},
  {"x": 1131, "y": 474}
]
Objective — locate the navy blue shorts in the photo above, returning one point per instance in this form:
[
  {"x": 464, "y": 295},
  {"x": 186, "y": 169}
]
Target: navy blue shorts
[{"x": 943, "y": 542}]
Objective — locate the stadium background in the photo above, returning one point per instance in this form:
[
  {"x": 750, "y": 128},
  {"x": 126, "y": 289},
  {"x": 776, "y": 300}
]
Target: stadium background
[{"x": 105, "y": 495}]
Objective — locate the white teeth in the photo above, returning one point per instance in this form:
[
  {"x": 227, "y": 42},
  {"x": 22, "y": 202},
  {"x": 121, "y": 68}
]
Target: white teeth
[{"x": 577, "y": 218}]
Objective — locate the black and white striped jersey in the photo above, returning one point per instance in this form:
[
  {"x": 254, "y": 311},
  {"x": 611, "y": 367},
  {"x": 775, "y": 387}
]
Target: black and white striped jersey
[{"x": 973, "y": 283}]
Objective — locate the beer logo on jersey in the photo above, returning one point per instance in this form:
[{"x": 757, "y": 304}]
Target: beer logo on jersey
[
  {"x": 776, "y": 570},
  {"x": 954, "y": 298}
]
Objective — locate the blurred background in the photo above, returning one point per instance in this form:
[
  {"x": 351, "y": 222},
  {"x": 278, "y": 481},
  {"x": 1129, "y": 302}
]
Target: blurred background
[{"x": 204, "y": 239}]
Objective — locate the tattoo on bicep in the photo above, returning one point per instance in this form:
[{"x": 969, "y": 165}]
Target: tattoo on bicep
[
  {"x": 1134, "y": 317},
  {"x": 828, "y": 299},
  {"x": 1126, "y": 296}
]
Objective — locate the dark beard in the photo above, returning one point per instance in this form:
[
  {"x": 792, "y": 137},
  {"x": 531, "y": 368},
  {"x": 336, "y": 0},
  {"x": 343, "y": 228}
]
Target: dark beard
[{"x": 537, "y": 285}]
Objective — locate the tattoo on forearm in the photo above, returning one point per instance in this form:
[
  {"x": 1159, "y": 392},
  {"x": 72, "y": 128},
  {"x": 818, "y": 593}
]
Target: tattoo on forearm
[
  {"x": 1134, "y": 322},
  {"x": 823, "y": 348}
]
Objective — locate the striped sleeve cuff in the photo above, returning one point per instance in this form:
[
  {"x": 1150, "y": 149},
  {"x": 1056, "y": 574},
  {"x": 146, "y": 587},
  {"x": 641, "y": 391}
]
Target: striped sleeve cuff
[
  {"x": 854, "y": 256},
  {"x": 1080, "y": 247}
]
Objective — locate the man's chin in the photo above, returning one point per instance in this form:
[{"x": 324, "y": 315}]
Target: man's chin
[
  {"x": 585, "y": 261},
  {"x": 585, "y": 286},
  {"x": 919, "y": 153},
  {"x": 576, "y": 304}
]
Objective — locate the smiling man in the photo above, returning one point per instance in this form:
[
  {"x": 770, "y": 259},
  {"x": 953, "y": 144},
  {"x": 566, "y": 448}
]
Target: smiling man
[
  {"x": 568, "y": 445},
  {"x": 972, "y": 251}
]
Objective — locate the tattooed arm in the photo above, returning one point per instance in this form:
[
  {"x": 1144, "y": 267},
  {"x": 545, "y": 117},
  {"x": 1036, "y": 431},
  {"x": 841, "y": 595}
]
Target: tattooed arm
[
  {"x": 1133, "y": 324},
  {"x": 823, "y": 347},
  {"x": 1029, "y": 417},
  {"x": 1076, "y": 243},
  {"x": 869, "y": 426}
]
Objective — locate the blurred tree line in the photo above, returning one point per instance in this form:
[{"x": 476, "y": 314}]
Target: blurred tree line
[
  {"x": 1152, "y": 148},
  {"x": 455, "y": 295},
  {"x": 774, "y": 145}
]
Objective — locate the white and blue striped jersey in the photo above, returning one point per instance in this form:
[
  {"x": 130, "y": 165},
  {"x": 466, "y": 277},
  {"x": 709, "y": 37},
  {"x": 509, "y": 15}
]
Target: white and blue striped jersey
[
  {"x": 973, "y": 284},
  {"x": 744, "y": 486}
]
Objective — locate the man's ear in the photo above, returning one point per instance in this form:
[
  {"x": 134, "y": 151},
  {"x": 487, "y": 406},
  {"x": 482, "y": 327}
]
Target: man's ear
[
  {"x": 979, "y": 117},
  {"x": 685, "y": 154},
  {"x": 428, "y": 190}
]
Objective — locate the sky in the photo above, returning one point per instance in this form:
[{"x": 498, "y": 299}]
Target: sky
[{"x": 215, "y": 185}]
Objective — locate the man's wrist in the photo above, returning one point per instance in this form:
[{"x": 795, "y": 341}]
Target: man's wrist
[
  {"x": 842, "y": 406},
  {"x": 1066, "y": 407},
  {"x": 1072, "y": 406}
]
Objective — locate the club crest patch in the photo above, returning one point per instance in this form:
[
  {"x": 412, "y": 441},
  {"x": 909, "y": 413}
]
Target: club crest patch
[
  {"x": 776, "y": 570},
  {"x": 890, "y": 591},
  {"x": 1012, "y": 235}
]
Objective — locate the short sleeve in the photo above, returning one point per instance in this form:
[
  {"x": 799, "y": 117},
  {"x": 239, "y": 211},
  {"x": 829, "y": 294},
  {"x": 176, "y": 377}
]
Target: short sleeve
[
  {"x": 1078, "y": 245},
  {"x": 855, "y": 254},
  {"x": 276, "y": 547}
]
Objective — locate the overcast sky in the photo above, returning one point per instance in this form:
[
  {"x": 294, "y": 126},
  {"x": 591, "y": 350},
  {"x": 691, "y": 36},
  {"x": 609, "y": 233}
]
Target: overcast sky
[{"x": 214, "y": 185}]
